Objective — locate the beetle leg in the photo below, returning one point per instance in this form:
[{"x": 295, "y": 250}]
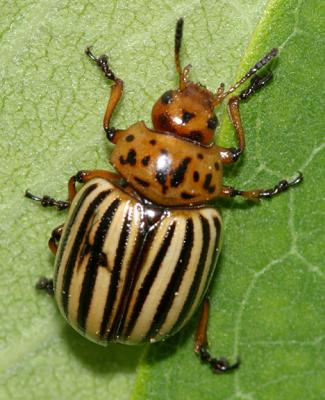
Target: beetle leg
[
  {"x": 80, "y": 177},
  {"x": 256, "y": 83},
  {"x": 116, "y": 91},
  {"x": 282, "y": 186},
  {"x": 85, "y": 176},
  {"x": 47, "y": 201},
  {"x": 230, "y": 155},
  {"x": 54, "y": 239},
  {"x": 46, "y": 285},
  {"x": 201, "y": 344}
]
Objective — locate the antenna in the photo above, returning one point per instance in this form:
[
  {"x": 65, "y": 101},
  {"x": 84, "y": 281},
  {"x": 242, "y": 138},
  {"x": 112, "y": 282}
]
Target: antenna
[
  {"x": 178, "y": 41},
  {"x": 260, "y": 64}
]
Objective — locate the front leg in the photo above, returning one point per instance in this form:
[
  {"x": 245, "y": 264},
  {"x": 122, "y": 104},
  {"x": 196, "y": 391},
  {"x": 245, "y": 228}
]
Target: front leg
[
  {"x": 116, "y": 92},
  {"x": 230, "y": 155}
]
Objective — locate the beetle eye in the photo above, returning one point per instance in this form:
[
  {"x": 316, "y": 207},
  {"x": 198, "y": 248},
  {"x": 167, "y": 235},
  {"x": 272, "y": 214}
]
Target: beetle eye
[
  {"x": 212, "y": 122},
  {"x": 167, "y": 97}
]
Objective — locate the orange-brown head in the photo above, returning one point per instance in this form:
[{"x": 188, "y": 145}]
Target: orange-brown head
[{"x": 187, "y": 112}]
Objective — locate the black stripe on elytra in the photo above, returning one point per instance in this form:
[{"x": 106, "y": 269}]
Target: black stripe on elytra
[
  {"x": 90, "y": 275},
  {"x": 192, "y": 293},
  {"x": 75, "y": 248},
  {"x": 218, "y": 228},
  {"x": 130, "y": 282},
  {"x": 115, "y": 277},
  {"x": 153, "y": 270},
  {"x": 174, "y": 282},
  {"x": 72, "y": 219}
]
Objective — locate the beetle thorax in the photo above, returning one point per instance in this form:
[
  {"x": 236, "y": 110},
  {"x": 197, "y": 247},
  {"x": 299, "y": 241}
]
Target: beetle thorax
[{"x": 186, "y": 112}]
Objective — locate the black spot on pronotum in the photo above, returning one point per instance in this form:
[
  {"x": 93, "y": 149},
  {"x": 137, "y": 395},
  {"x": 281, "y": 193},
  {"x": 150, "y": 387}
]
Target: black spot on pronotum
[
  {"x": 200, "y": 156},
  {"x": 145, "y": 160},
  {"x": 141, "y": 182},
  {"x": 187, "y": 196},
  {"x": 207, "y": 182},
  {"x": 179, "y": 172},
  {"x": 130, "y": 158},
  {"x": 187, "y": 116},
  {"x": 212, "y": 122},
  {"x": 196, "y": 176},
  {"x": 197, "y": 136},
  {"x": 129, "y": 138},
  {"x": 167, "y": 97},
  {"x": 216, "y": 166},
  {"x": 153, "y": 142},
  {"x": 161, "y": 177}
]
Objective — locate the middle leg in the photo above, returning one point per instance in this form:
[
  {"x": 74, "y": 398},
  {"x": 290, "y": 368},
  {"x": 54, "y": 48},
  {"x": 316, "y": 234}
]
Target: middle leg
[
  {"x": 80, "y": 177},
  {"x": 55, "y": 238},
  {"x": 282, "y": 186}
]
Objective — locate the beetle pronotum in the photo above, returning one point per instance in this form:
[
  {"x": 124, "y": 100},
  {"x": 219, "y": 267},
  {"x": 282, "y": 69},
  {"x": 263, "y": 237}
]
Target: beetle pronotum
[{"x": 139, "y": 247}]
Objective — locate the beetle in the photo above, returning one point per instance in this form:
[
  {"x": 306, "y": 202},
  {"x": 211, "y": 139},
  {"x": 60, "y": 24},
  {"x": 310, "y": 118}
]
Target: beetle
[{"x": 137, "y": 252}]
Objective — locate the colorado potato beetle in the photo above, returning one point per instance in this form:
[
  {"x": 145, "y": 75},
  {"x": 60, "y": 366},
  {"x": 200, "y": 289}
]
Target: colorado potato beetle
[{"x": 137, "y": 252}]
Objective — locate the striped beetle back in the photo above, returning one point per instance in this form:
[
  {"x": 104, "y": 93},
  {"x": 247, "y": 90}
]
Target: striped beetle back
[{"x": 120, "y": 276}]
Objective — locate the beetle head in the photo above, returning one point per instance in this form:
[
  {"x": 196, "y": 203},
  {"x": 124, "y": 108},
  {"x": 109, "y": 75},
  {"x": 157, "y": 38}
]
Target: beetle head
[{"x": 187, "y": 112}]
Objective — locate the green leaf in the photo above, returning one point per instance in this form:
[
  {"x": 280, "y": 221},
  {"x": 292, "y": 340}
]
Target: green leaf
[{"x": 268, "y": 294}]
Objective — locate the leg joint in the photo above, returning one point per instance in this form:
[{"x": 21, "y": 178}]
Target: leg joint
[
  {"x": 110, "y": 133},
  {"x": 46, "y": 285},
  {"x": 236, "y": 153},
  {"x": 80, "y": 176}
]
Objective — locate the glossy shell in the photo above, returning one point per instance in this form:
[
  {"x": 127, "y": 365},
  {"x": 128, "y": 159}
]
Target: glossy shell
[
  {"x": 166, "y": 169},
  {"x": 128, "y": 273}
]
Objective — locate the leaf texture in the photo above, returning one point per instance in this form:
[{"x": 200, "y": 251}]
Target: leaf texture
[{"x": 268, "y": 294}]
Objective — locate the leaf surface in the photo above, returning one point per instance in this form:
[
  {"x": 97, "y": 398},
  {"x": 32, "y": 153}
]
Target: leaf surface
[{"x": 268, "y": 294}]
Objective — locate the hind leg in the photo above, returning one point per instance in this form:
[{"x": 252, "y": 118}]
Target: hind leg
[{"x": 218, "y": 365}]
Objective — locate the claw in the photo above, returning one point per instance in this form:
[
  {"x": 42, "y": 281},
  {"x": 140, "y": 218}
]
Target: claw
[{"x": 299, "y": 178}]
